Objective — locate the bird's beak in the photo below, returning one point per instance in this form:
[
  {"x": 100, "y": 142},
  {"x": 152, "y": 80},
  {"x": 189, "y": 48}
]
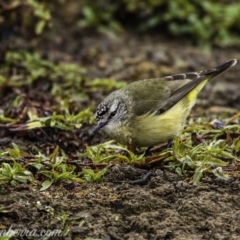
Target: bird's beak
[{"x": 98, "y": 127}]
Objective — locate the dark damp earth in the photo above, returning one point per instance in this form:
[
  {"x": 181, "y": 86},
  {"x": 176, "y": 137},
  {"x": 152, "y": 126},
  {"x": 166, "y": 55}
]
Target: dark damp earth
[{"x": 165, "y": 208}]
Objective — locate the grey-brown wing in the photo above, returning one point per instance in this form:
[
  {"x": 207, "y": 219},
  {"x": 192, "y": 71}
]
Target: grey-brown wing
[
  {"x": 159, "y": 95},
  {"x": 152, "y": 94},
  {"x": 181, "y": 92},
  {"x": 195, "y": 78}
]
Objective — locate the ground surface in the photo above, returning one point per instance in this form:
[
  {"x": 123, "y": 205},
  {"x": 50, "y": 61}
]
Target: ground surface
[{"x": 167, "y": 206}]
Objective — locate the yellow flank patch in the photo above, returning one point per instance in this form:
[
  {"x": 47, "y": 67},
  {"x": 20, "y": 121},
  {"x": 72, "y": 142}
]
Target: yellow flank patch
[
  {"x": 150, "y": 129},
  {"x": 192, "y": 95}
]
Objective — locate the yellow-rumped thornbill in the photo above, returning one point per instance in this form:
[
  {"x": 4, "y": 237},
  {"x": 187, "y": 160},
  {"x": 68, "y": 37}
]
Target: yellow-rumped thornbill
[{"x": 152, "y": 111}]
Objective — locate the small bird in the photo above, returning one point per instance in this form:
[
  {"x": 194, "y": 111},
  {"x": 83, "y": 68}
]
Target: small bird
[{"x": 149, "y": 112}]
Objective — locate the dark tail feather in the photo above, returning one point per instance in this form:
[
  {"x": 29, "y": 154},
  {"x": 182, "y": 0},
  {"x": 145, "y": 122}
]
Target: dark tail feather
[
  {"x": 204, "y": 75},
  {"x": 227, "y": 65},
  {"x": 220, "y": 68}
]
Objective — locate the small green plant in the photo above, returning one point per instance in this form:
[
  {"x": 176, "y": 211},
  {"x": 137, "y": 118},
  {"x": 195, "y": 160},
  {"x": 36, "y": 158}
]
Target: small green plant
[
  {"x": 107, "y": 84},
  {"x": 58, "y": 171},
  {"x": 65, "y": 122},
  {"x": 93, "y": 176},
  {"x": 100, "y": 16},
  {"x": 64, "y": 221},
  {"x": 34, "y": 15},
  {"x": 42, "y": 13},
  {"x": 210, "y": 156},
  {"x": 33, "y": 68},
  {"x": 14, "y": 174},
  {"x": 106, "y": 152}
]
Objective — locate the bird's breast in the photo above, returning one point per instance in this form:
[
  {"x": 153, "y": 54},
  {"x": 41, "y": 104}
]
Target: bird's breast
[{"x": 119, "y": 131}]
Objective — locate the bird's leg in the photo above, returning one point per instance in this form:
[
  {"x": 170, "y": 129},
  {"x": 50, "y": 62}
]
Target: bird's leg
[
  {"x": 159, "y": 147},
  {"x": 169, "y": 143},
  {"x": 147, "y": 151},
  {"x": 142, "y": 180},
  {"x": 130, "y": 147}
]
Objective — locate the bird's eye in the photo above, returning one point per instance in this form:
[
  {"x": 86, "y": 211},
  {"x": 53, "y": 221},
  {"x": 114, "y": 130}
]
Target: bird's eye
[{"x": 113, "y": 113}]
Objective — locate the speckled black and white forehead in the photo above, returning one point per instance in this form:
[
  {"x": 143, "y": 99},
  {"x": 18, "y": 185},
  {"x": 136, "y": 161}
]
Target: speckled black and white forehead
[{"x": 102, "y": 109}]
